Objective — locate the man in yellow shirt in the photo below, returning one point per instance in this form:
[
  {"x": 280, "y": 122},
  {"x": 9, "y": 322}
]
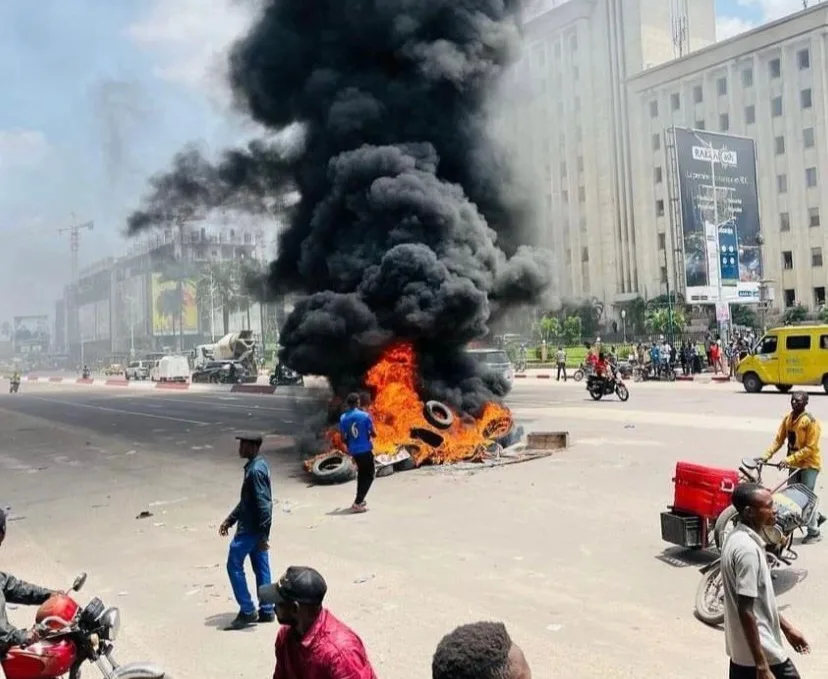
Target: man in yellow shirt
[{"x": 801, "y": 431}]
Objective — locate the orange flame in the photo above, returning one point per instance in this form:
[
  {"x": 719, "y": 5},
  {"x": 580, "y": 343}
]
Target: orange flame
[{"x": 397, "y": 409}]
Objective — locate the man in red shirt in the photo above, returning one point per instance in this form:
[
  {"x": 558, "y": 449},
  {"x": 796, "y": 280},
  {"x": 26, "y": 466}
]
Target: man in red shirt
[{"x": 312, "y": 643}]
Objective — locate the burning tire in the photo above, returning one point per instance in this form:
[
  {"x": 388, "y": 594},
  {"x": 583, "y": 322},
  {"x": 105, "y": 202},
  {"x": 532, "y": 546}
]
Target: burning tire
[
  {"x": 333, "y": 468},
  {"x": 430, "y": 438},
  {"x": 438, "y": 415}
]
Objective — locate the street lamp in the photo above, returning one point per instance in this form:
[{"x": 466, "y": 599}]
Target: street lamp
[{"x": 624, "y": 324}]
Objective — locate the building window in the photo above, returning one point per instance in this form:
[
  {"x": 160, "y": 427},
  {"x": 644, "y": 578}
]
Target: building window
[
  {"x": 721, "y": 86},
  {"x": 790, "y": 298},
  {"x": 724, "y": 122},
  {"x": 750, "y": 114},
  {"x": 654, "y": 109},
  {"x": 580, "y": 163},
  {"x": 584, "y": 254},
  {"x": 779, "y": 145},
  {"x": 805, "y": 98},
  {"x": 776, "y": 107},
  {"x": 811, "y": 177},
  {"x": 781, "y": 183},
  {"x": 573, "y": 43},
  {"x": 775, "y": 68},
  {"x": 656, "y": 141},
  {"x": 581, "y": 194},
  {"x": 659, "y": 208},
  {"x": 784, "y": 221},
  {"x": 747, "y": 77},
  {"x": 819, "y": 297},
  {"x": 675, "y": 101},
  {"x": 816, "y": 257},
  {"x": 700, "y": 124},
  {"x": 787, "y": 259},
  {"x": 664, "y": 275},
  {"x": 662, "y": 241},
  {"x": 803, "y": 58},
  {"x": 698, "y": 94},
  {"x": 808, "y": 137},
  {"x": 657, "y": 175},
  {"x": 813, "y": 217}
]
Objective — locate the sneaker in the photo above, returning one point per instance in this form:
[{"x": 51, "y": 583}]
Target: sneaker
[
  {"x": 242, "y": 620},
  {"x": 266, "y": 616},
  {"x": 359, "y": 508},
  {"x": 811, "y": 538}
]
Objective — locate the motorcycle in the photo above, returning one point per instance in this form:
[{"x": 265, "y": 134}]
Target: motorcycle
[
  {"x": 599, "y": 387},
  {"x": 795, "y": 504},
  {"x": 85, "y": 374},
  {"x": 69, "y": 636},
  {"x": 282, "y": 376},
  {"x": 14, "y": 386},
  {"x": 579, "y": 373}
]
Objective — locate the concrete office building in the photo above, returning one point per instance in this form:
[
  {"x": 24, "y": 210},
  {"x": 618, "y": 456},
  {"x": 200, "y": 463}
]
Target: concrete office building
[
  {"x": 567, "y": 121},
  {"x": 769, "y": 85}
]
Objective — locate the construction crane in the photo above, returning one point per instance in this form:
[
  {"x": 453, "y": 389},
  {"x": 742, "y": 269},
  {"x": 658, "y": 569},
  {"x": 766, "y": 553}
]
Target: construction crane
[{"x": 74, "y": 246}]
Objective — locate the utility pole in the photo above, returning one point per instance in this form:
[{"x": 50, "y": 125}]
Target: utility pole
[{"x": 74, "y": 246}]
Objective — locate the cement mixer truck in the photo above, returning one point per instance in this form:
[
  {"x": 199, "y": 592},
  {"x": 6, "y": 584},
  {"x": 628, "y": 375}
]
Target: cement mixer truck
[{"x": 235, "y": 346}]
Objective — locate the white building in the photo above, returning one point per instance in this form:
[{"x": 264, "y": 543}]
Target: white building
[{"x": 589, "y": 103}]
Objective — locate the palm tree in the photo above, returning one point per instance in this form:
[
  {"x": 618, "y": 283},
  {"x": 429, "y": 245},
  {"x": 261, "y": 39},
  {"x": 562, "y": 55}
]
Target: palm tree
[
  {"x": 168, "y": 304},
  {"x": 223, "y": 282}
]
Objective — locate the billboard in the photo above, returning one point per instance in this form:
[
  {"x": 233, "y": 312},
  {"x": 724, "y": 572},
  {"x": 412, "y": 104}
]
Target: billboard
[
  {"x": 719, "y": 207},
  {"x": 171, "y": 301},
  {"x": 30, "y": 334}
]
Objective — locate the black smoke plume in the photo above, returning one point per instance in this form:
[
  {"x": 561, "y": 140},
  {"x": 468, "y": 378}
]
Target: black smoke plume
[{"x": 408, "y": 225}]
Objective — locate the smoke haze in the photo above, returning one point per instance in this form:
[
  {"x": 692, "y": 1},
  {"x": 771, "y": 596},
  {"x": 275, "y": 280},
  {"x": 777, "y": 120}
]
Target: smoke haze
[{"x": 407, "y": 225}]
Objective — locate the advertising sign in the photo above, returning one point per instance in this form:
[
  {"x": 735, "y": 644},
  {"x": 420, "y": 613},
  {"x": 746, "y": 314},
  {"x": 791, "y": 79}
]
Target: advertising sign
[
  {"x": 719, "y": 216},
  {"x": 173, "y": 302},
  {"x": 30, "y": 334}
]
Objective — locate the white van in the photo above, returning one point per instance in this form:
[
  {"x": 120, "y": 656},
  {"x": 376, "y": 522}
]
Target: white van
[{"x": 171, "y": 369}]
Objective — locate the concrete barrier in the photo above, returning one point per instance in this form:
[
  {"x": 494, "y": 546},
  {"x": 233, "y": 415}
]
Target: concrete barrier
[
  {"x": 252, "y": 389},
  {"x": 179, "y": 386}
]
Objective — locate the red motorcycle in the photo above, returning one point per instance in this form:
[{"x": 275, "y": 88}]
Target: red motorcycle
[{"x": 69, "y": 636}]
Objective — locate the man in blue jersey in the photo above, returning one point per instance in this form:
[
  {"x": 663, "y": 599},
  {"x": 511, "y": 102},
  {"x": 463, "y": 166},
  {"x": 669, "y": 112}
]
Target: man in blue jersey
[{"x": 357, "y": 429}]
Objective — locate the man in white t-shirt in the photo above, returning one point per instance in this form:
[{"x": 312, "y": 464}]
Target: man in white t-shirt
[{"x": 753, "y": 626}]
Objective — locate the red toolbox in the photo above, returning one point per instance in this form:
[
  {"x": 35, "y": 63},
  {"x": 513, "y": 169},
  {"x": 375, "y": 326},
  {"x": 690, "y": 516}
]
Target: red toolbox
[{"x": 704, "y": 491}]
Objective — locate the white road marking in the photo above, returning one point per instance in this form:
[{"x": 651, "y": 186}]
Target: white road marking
[
  {"x": 120, "y": 412},
  {"x": 206, "y": 402}
]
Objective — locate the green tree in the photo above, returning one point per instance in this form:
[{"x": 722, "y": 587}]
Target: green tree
[
  {"x": 795, "y": 314},
  {"x": 823, "y": 314},
  {"x": 665, "y": 321},
  {"x": 572, "y": 330},
  {"x": 550, "y": 328},
  {"x": 742, "y": 314},
  {"x": 221, "y": 285},
  {"x": 168, "y": 304}
]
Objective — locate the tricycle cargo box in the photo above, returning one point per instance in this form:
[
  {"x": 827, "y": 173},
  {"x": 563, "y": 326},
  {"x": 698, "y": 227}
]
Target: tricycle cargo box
[
  {"x": 704, "y": 491},
  {"x": 682, "y": 529}
]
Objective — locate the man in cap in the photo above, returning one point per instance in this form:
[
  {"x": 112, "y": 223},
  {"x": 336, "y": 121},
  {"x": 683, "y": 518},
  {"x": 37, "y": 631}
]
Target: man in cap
[
  {"x": 481, "y": 650},
  {"x": 16, "y": 591},
  {"x": 312, "y": 643},
  {"x": 254, "y": 516}
]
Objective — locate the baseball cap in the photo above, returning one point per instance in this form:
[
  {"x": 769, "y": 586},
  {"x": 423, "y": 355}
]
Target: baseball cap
[
  {"x": 299, "y": 584},
  {"x": 249, "y": 436}
]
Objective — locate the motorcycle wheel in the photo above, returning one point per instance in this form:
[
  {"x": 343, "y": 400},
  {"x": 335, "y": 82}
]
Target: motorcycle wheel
[
  {"x": 596, "y": 392},
  {"x": 622, "y": 392},
  {"x": 725, "y": 523},
  {"x": 710, "y": 598},
  {"x": 274, "y": 382},
  {"x": 578, "y": 375},
  {"x": 671, "y": 375}
]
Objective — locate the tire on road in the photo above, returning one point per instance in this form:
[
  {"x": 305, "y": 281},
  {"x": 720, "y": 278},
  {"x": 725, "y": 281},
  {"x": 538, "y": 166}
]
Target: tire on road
[
  {"x": 438, "y": 414},
  {"x": 385, "y": 470},
  {"x": 710, "y": 614},
  {"x": 333, "y": 468},
  {"x": 752, "y": 383},
  {"x": 622, "y": 392}
]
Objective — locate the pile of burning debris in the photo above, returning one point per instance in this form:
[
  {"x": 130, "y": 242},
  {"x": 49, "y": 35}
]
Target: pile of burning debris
[{"x": 412, "y": 433}]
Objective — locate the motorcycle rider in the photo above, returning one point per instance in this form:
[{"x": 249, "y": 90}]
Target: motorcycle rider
[
  {"x": 16, "y": 591},
  {"x": 801, "y": 431}
]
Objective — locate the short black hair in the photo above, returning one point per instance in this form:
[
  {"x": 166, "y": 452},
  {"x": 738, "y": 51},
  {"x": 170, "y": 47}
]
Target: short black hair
[
  {"x": 801, "y": 396},
  {"x": 744, "y": 494},
  {"x": 2, "y": 521},
  {"x": 352, "y": 400},
  {"x": 479, "y": 650}
]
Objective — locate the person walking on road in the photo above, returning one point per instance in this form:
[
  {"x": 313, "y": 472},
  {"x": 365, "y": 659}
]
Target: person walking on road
[
  {"x": 312, "y": 643},
  {"x": 357, "y": 429},
  {"x": 560, "y": 359},
  {"x": 753, "y": 625},
  {"x": 254, "y": 516},
  {"x": 801, "y": 431}
]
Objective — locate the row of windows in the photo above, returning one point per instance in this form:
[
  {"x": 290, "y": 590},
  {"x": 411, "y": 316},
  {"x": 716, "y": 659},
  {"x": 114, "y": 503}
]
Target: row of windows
[
  {"x": 810, "y": 180},
  {"x": 781, "y": 187},
  {"x": 787, "y": 258},
  {"x": 813, "y": 219},
  {"x": 819, "y": 301},
  {"x": 803, "y": 58},
  {"x": 806, "y": 101},
  {"x": 794, "y": 342}
]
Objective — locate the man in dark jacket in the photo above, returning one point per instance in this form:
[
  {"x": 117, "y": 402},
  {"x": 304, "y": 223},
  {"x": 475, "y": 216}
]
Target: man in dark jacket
[
  {"x": 254, "y": 515},
  {"x": 16, "y": 591}
]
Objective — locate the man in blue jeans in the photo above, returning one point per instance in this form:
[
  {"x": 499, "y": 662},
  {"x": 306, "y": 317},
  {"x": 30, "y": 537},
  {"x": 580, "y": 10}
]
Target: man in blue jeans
[{"x": 254, "y": 515}]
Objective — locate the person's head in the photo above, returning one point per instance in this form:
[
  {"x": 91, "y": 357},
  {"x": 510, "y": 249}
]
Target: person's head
[
  {"x": 481, "y": 650},
  {"x": 249, "y": 445},
  {"x": 560, "y": 348},
  {"x": 754, "y": 505},
  {"x": 352, "y": 401},
  {"x": 602, "y": 355},
  {"x": 2, "y": 526},
  {"x": 297, "y": 595},
  {"x": 799, "y": 401}
]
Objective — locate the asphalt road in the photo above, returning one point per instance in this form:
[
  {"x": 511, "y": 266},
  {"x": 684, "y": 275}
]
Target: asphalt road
[{"x": 565, "y": 550}]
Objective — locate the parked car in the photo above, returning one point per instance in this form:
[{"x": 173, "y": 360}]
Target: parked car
[
  {"x": 139, "y": 370},
  {"x": 114, "y": 369},
  {"x": 495, "y": 360},
  {"x": 221, "y": 372}
]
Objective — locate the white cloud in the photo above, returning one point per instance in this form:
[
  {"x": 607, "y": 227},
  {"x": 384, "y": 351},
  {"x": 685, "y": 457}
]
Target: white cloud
[
  {"x": 21, "y": 148},
  {"x": 775, "y": 9},
  {"x": 193, "y": 39},
  {"x": 727, "y": 27}
]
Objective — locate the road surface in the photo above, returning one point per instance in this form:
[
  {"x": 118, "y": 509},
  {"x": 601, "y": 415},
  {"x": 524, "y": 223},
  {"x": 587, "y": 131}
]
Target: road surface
[{"x": 565, "y": 550}]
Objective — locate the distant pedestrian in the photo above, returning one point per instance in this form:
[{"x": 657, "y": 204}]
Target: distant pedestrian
[
  {"x": 254, "y": 516},
  {"x": 481, "y": 650},
  {"x": 311, "y": 642},
  {"x": 753, "y": 625},
  {"x": 560, "y": 359},
  {"x": 357, "y": 429}
]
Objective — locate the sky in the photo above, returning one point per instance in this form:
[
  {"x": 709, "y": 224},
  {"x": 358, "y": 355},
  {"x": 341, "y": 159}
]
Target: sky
[{"x": 97, "y": 95}]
